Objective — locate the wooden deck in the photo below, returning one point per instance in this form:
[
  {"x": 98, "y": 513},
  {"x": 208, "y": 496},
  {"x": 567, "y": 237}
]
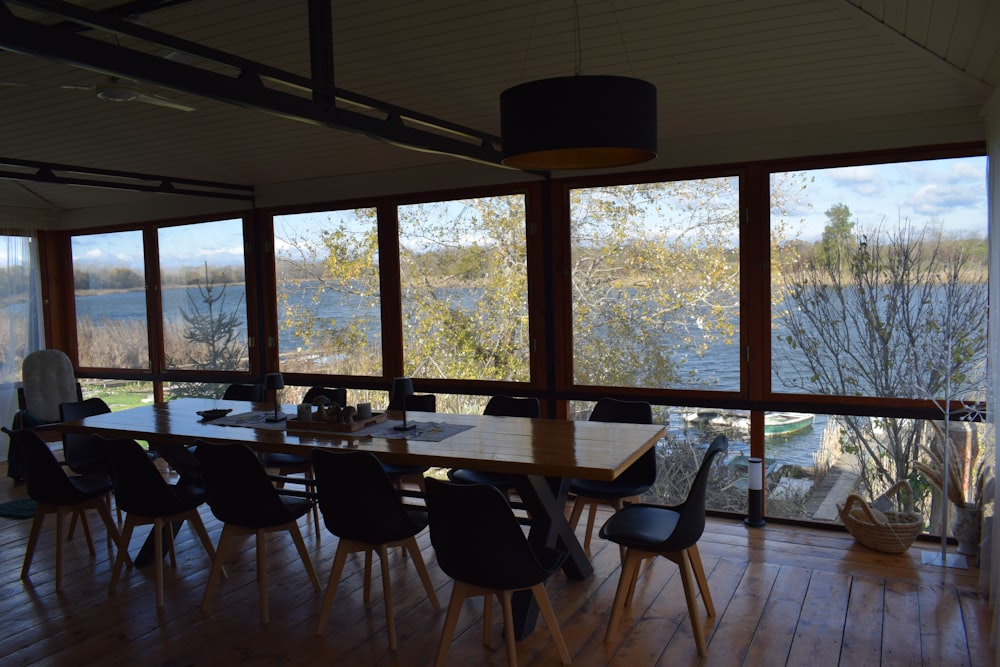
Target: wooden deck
[{"x": 783, "y": 594}]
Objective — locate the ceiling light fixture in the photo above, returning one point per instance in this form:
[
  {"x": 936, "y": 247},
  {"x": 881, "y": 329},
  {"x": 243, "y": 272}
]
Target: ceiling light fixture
[{"x": 578, "y": 122}]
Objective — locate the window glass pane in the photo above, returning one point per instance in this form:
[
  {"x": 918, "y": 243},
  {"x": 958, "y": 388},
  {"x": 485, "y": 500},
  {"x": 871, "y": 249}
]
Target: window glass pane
[
  {"x": 203, "y": 293},
  {"x": 879, "y": 279},
  {"x": 329, "y": 307},
  {"x": 18, "y": 306},
  {"x": 655, "y": 279},
  {"x": 118, "y": 394},
  {"x": 109, "y": 281},
  {"x": 463, "y": 268}
]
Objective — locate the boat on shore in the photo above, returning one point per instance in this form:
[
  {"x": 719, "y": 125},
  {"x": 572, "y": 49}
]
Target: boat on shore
[{"x": 775, "y": 423}]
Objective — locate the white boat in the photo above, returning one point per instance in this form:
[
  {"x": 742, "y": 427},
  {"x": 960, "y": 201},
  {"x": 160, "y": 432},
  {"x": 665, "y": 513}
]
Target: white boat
[{"x": 775, "y": 423}]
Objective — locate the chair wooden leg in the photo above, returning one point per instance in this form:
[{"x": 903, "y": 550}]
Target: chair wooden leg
[
  {"x": 72, "y": 525},
  {"x": 265, "y": 616},
  {"x": 300, "y": 545},
  {"x": 85, "y": 524},
  {"x": 508, "y": 627},
  {"x": 112, "y": 530},
  {"x": 629, "y": 568},
  {"x": 158, "y": 557},
  {"x": 198, "y": 526},
  {"x": 339, "y": 559},
  {"x": 36, "y": 529},
  {"x": 459, "y": 592},
  {"x": 488, "y": 616},
  {"x": 699, "y": 576},
  {"x": 122, "y": 553},
  {"x": 574, "y": 515},
  {"x": 368, "y": 578},
  {"x": 390, "y": 622},
  {"x": 545, "y": 607},
  {"x": 315, "y": 508},
  {"x": 60, "y": 514},
  {"x": 686, "y": 578},
  {"x": 425, "y": 578},
  {"x": 220, "y": 554}
]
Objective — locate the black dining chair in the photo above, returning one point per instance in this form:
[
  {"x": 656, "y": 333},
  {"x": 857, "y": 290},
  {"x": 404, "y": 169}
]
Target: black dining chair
[
  {"x": 243, "y": 497},
  {"x": 55, "y": 492},
  {"x": 245, "y": 392},
  {"x": 479, "y": 543},
  {"x": 498, "y": 406},
  {"x": 634, "y": 480},
  {"x": 83, "y": 454},
  {"x": 399, "y": 473},
  {"x": 292, "y": 464},
  {"x": 336, "y": 394},
  {"x": 147, "y": 498},
  {"x": 361, "y": 507},
  {"x": 647, "y": 531}
]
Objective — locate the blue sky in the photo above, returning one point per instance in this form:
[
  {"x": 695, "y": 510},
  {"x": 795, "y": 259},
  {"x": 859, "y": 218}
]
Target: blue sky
[{"x": 951, "y": 192}]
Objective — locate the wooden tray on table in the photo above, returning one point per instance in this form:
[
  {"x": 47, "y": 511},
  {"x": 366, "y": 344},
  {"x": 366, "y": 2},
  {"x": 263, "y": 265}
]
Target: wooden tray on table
[{"x": 331, "y": 427}]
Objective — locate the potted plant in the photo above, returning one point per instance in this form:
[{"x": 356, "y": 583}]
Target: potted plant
[{"x": 963, "y": 474}]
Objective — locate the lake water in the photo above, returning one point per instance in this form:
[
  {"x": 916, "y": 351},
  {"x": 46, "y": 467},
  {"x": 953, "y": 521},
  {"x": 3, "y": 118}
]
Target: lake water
[{"x": 721, "y": 362}]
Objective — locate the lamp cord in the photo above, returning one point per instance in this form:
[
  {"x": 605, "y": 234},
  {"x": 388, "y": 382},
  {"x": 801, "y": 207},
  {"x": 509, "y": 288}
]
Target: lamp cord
[{"x": 578, "y": 63}]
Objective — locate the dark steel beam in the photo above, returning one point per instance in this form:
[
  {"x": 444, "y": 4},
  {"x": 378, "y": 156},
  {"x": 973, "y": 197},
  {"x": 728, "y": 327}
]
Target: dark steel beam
[
  {"x": 379, "y": 120},
  {"x": 64, "y": 174}
]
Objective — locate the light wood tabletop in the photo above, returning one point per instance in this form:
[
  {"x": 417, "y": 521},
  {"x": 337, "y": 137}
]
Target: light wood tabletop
[{"x": 547, "y": 447}]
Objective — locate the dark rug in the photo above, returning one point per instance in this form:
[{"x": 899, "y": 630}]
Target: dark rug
[{"x": 18, "y": 509}]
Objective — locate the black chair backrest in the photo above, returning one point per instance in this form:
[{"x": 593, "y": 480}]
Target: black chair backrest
[
  {"x": 238, "y": 488},
  {"x": 691, "y": 523},
  {"x": 245, "y": 392},
  {"x": 139, "y": 486},
  {"x": 478, "y": 540},
  {"x": 508, "y": 406},
  {"x": 417, "y": 402},
  {"x": 44, "y": 477},
  {"x": 358, "y": 500},
  {"x": 623, "y": 412},
  {"x": 336, "y": 394},
  {"x": 80, "y": 450},
  {"x": 615, "y": 410}
]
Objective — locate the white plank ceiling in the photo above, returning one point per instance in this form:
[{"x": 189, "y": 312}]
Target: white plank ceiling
[{"x": 736, "y": 79}]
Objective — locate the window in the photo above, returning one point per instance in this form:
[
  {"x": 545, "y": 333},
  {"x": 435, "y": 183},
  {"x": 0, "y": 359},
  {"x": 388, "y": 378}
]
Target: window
[
  {"x": 109, "y": 284},
  {"x": 464, "y": 280},
  {"x": 879, "y": 291},
  {"x": 655, "y": 280},
  {"x": 203, "y": 296},
  {"x": 329, "y": 304}
]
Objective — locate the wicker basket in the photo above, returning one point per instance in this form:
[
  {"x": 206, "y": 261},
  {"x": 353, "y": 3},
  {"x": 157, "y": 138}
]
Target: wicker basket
[{"x": 890, "y": 532}]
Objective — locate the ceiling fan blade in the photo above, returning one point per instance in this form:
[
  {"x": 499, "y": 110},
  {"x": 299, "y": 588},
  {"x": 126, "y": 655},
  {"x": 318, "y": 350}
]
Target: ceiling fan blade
[{"x": 162, "y": 102}]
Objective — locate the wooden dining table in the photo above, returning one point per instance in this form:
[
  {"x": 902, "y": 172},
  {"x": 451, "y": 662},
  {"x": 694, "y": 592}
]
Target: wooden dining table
[{"x": 543, "y": 453}]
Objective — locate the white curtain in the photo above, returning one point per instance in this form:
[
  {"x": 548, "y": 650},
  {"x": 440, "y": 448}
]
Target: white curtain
[
  {"x": 21, "y": 329},
  {"x": 991, "y": 560}
]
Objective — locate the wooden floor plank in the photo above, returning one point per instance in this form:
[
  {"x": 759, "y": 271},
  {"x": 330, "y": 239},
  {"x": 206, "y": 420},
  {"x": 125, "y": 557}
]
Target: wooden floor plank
[{"x": 784, "y": 594}]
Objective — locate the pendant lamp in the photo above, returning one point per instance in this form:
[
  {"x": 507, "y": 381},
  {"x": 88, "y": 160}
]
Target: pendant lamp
[{"x": 578, "y": 122}]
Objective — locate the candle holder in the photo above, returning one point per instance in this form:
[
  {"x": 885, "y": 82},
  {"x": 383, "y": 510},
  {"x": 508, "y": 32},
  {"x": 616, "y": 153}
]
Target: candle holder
[
  {"x": 755, "y": 493},
  {"x": 275, "y": 382},
  {"x": 402, "y": 388}
]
